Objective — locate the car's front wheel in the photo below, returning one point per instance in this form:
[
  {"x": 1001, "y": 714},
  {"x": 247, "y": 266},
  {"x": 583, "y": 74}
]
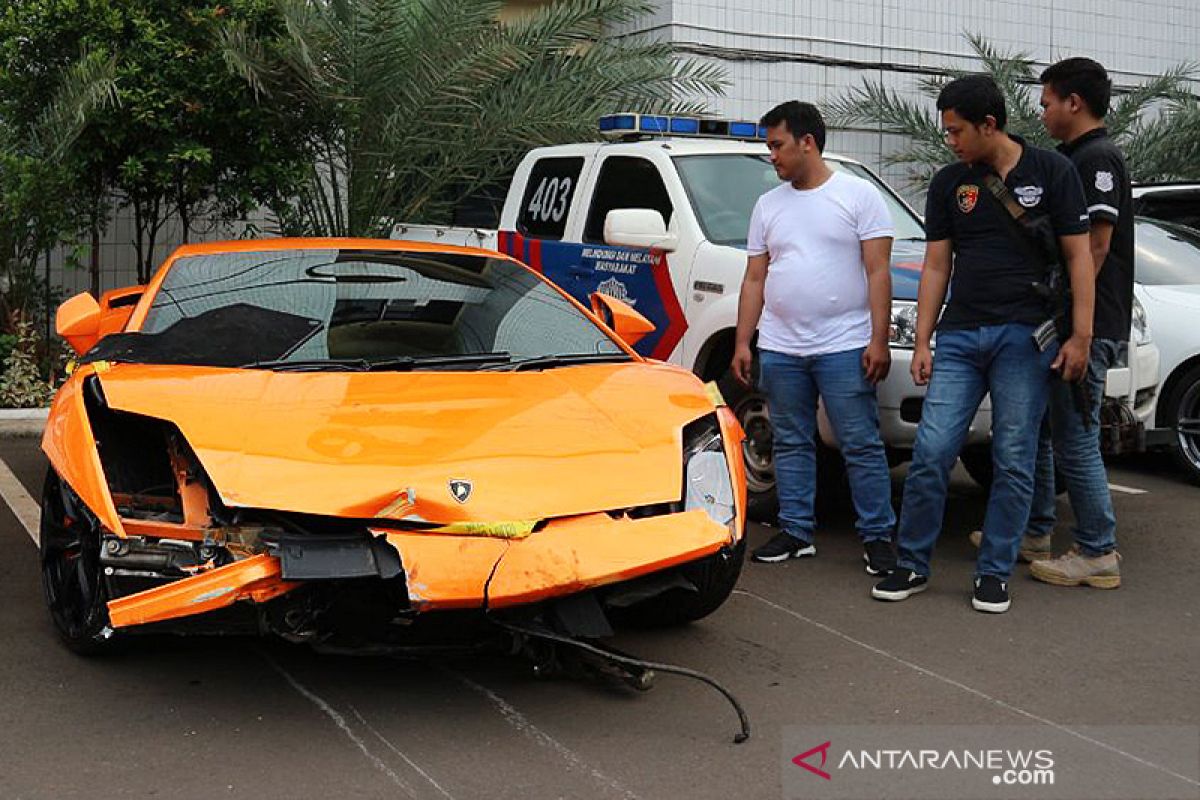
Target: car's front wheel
[
  {"x": 1183, "y": 417},
  {"x": 69, "y": 547},
  {"x": 713, "y": 578}
]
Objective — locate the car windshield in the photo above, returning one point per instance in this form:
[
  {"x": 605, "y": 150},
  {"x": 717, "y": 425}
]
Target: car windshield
[
  {"x": 1167, "y": 254},
  {"x": 724, "y": 187},
  {"x": 309, "y": 309}
]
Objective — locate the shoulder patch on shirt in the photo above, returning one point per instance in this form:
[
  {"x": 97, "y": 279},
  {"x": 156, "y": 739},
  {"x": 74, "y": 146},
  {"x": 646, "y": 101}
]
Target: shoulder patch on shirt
[
  {"x": 968, "y": 196},
  {"x": 1028, "y": 196},
  {"x": 1104, "y": 181}
]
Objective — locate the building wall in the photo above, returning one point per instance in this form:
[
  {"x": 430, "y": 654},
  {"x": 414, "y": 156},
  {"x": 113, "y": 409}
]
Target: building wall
[{"x": 776, "y": 50}]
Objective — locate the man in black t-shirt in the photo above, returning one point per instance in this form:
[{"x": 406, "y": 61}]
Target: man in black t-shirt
[
  {"x": 985, "y": 342},
  {"x": 1075, "y": 95}
]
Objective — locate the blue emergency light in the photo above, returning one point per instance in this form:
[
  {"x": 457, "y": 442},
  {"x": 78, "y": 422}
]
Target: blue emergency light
[{"x": 633, "y": 125}]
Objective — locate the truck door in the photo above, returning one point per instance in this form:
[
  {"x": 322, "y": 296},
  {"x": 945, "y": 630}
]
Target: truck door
[{"x": 640, "y": 277}]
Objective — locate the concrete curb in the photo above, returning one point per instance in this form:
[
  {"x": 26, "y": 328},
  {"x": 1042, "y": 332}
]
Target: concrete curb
[{"x": 18, "y": 422}]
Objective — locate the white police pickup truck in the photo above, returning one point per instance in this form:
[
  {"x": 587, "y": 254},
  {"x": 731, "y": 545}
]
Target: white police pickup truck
[{"x": 657, "y": 216}]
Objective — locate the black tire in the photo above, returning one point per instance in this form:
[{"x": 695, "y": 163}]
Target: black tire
[
  {"x": 714, "y": 578},
  {"x": 833, "y": 482},
  {"x": 978, "y": 463},
  {"x": 750, "y": 408},
  {"x": 1182, "y": 415},
  {"x": 72, "y": 583}
]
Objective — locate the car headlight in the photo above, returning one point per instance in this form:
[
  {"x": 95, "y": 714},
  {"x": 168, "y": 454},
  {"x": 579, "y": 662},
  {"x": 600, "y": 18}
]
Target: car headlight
[
  {"x": 706, "y": 481},
  {"x": 1141, "y": 328},
  {"x": 902, "y": 332}
]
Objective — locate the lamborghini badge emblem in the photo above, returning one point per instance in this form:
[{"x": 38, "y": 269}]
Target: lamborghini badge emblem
[
  {"x": 460, "y": 488},
  {"x": 968, "y": 195}
]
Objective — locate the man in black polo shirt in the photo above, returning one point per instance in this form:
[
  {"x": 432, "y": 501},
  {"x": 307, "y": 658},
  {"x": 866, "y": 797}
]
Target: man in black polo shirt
[
  {"x": 1075, "y": 95},
  {"x": 985, "y": 340}
]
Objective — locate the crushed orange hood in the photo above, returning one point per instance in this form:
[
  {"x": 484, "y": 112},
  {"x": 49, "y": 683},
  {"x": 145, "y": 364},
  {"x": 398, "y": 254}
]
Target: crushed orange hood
[{"x": 531, "y": 444}]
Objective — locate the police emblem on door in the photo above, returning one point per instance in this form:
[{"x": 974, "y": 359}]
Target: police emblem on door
[{"x": 460, "y": 488}]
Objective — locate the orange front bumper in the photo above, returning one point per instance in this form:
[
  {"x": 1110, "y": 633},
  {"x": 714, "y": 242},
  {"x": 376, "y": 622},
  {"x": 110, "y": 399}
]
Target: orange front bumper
[{"x": 448, "y": 572}]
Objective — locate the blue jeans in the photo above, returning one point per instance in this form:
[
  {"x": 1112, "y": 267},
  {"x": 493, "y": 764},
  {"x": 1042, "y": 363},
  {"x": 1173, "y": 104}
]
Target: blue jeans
[
  {"x": 1076, "y": 451},
  {"x": 792, "y": 384},
  {"x": 1002, "y": 360}
]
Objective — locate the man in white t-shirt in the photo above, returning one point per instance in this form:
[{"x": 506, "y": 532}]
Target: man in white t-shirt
[{"x": 819, "y": 290}]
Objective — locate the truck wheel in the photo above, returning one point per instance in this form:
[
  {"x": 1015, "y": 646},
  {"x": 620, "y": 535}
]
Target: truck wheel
[
  {"x": 750, "y": 407},
  {"x": 69, "y": 547},
  {"x": 714, "y": 578},
  {"x": 1183, "y": 417},
  {"x": 978, "y": 463}
]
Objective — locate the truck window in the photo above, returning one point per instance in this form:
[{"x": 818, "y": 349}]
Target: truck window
[
  {"x": 626, "y": 182},
  {"x": 552, "y": 183}
]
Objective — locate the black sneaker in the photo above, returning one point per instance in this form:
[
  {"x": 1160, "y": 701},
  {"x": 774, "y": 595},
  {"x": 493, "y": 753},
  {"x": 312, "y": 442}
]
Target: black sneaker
[
  {"x": 880, "y": 557},
  {"x": 782, "y": 547},
  {"x": 991, "y": 595},
  {"x": 900, "y": 585}
]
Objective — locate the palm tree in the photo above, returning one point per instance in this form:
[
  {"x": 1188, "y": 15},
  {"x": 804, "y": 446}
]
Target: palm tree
[
  {"x": 34, "y": 191},
  {"x": 411, "y": 103},
  {"x": 1157, "y": 123}
]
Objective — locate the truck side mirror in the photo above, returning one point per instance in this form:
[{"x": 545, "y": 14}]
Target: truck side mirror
[
  {"x": 626, "y": 323},
  {"x": 638, "y": 227},
  {"x": 78, "y": 321}
]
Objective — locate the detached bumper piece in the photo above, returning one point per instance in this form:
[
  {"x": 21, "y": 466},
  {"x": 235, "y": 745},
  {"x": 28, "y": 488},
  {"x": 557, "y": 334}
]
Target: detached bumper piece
[
  {"x": 258, "y": 578},
  {"x": 298, "y": 559}
]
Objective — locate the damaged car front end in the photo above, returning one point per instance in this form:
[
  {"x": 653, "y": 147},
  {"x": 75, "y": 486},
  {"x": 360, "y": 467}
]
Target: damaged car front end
[{"x": 378, "y": 445}]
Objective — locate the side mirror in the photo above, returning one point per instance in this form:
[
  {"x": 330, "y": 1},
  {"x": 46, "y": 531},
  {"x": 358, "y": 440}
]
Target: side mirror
[
  {"x": 626, "y": 323},
  {"x": 78, "y": 321},
  {"x": 638, "y": 227},
  {"x": 116, "y": 307}
]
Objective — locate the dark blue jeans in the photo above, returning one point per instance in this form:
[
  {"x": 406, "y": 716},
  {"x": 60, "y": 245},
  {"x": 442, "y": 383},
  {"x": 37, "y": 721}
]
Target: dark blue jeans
[
  {"x": 792, "y": 384},
  {"x": 1065, "y": 443},
  {"x": 1001, "y": 360}
]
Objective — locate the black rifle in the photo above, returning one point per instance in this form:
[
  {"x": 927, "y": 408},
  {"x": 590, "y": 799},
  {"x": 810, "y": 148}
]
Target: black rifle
[{"x": 1038, "y": 240}]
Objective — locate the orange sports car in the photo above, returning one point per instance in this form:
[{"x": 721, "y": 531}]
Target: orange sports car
[{"x": 339, "y": 441}]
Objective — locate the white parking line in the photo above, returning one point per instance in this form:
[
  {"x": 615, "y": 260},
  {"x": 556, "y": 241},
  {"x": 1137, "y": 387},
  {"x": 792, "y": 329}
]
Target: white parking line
[
  {"x": 340, "y": 721},
  {"x": 24, "y": 507},
  {"x": 962, "y": 686},
  {"x": 1116, "y": 487},
  {"x": 397, "y": 751},
  {"x": 522, "y": 723}
]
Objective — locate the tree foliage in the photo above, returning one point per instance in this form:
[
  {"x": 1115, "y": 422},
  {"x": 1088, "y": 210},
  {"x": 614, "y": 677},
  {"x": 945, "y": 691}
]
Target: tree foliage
[
  {"x": 409, "y": 104},
  {"x": 35, "y": 188},
  {"x": 1157, "y": 123},
  {"x": 186, "y": 138}
]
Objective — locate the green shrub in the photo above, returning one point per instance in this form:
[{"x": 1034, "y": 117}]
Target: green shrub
[{"x": 22, "y": 384}]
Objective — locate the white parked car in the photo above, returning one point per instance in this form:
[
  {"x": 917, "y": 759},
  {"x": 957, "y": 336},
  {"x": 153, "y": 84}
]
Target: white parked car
[{"x": 1167, "y": 286}]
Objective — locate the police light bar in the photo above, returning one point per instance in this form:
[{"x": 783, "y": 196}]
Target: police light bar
[{"x": 616, "y": 126}]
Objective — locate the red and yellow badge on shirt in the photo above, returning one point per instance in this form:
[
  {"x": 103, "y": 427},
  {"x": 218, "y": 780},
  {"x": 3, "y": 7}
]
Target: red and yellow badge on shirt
[{"x": 968, "y": 196}]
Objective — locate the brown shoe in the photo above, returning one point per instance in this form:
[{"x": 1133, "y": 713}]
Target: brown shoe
[
  {"x": 1033, "y": 548},
  {"x": 1074, "y": 568}
]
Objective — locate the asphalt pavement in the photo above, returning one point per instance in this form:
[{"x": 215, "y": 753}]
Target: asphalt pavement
[{"x": 799, "y": 643}]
